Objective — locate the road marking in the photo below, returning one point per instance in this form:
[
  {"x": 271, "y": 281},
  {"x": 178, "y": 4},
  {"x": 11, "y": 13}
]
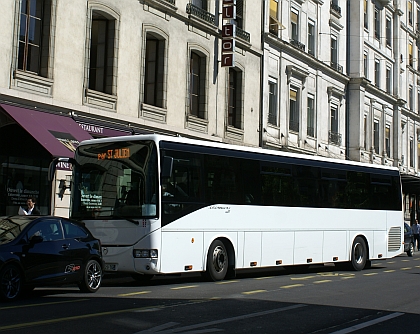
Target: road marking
[
  {"x": 185, "y": 287},
  {"x": 42, "y": 304},
  {"x": 405, "y": 260},
  {"x": 193, "y": 328},
  {"x": 370, "y": 274},
  {"x": 133, "y": 293},
  {"x": 268, "y": 277},
  {"x": 347, "y": 277},
  {"x": 368, "y": 323},
  {"x": 323, "y": 281},
  {"x": 389, "y": 271},
  {"x": 77, "y": 317},
  {"x": 253, "y": 292},
  {"x": 391, "y": 262},
  {"x": 291, "y": 286},
  {"x": 417, "y": 266},
  {"x": 406, "y": 268},
  {"x": 226, "y": 282},
  {"x": 301, "y": 278}
]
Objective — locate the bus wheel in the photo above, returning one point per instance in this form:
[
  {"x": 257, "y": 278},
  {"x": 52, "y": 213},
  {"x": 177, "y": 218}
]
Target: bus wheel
[
  {"x": 358, "y": 254},
  {"x": 217, "y": 261}
]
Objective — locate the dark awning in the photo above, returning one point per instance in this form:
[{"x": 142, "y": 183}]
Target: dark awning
[
  {"x": 410, "y": 184},
  {"x": 60, "y": 135}
]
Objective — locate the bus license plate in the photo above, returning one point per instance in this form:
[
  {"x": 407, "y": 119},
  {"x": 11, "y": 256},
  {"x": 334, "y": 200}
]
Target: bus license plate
[{"x": 110, "y": 267}]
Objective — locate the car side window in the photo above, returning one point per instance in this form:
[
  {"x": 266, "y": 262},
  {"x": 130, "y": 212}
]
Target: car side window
[
  {"x": 72, "y": 231},
  {"x": 49, "y": 230}
]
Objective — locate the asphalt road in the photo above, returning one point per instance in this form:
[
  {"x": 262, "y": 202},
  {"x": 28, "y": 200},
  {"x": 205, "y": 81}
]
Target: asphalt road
[{"x": 319, "y": 299}]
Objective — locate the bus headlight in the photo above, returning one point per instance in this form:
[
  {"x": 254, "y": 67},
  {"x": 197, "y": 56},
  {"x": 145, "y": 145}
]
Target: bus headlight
[{"x": 145, "y": 253}]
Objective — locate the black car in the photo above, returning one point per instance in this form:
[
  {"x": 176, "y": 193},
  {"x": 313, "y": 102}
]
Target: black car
[
  {"x": 47, "y": 250},
  {"x": 408, "y": 240}
]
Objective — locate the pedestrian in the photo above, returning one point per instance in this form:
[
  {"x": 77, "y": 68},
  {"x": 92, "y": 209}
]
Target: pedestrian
[
  {"x": 416, "y": 230},
  {"x": 30, "y": 209}
]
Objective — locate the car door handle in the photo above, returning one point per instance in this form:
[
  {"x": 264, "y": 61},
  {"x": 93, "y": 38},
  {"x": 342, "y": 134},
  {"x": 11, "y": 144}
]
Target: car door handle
[{"x": 65, "y": 246}]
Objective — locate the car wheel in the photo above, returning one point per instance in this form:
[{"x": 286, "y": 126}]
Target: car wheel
[
  {"x": 92, "y": 277},
  {"x": 410, "y": 251},
  {"x": 358, "y": 254},
  {"x": 10, "y": 282},
  {"x": 217, "y": 261}
]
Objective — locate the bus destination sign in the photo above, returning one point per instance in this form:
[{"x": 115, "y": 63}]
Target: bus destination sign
[{"x": 118, "y": 153}]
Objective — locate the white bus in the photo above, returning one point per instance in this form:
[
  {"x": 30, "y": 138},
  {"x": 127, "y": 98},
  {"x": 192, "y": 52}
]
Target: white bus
[{"x": 165, "y": 205}]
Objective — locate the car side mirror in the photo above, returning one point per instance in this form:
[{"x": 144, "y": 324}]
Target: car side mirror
[{"x": 36, "y": 239}]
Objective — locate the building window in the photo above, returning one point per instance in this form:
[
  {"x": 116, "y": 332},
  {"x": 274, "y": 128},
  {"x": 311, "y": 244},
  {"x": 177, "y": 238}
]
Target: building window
[
  {"x": 376, "y": 136},
  {"x": 235, "y": 98},
  {"x": 365, "y": 143},
  {"x": 377, "y": 23},
  {"x": 197, "y": 85},
  {"x": 388, "y": 80},
  {"x": 274, "y": 26},
  {"x": 240, "y": 14},
  {"x": 388, "y": 140},
  {"x": 418, "y": 104},
  {"x": 294, "y": 110},
  {"x": 410, "y": 12},
  {"x": 154, "y": 71},
  {"x": 294, "y": 21},
  {"x": 34, "y": 36},
  {"x": 365, "y": 65},
  {"x": 200, "y": 4},
  {"x": 365, "y": 14},
  {"x": 388, "y": 31},
  {"x": 102, "y": 61},
  {"x": 311, "y": 38},
  {"x": 334, "y": 120},
  {"x": 334, "y": 52},
  {"x": 410, "y": 98},
  {"x": 272, "y": 103},
  {"x": 377, "y": 73},
  {"x": 411, "y": 152},
  {"x": 310, "y": 126},
  {"x": 410, "y": 54}
]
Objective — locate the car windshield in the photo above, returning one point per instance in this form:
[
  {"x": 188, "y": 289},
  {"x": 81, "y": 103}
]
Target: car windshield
[{"x": 10, "y": 227}]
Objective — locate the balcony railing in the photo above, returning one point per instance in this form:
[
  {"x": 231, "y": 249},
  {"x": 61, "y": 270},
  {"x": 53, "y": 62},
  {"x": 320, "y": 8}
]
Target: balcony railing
[
  {"x": 337, "y": 67},
  {"x": 336, "y": 8},
  {"x": 200, "y": 13},
  {"x": 297, "y": 44},
  {"x": 242, "y": 34},
  {"x": 172, "y": 2},
  {"x": 334, "y": 138}
]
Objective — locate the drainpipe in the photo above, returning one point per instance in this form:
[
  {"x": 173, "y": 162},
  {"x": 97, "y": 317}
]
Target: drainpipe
[{"x": 261, "y": 116}]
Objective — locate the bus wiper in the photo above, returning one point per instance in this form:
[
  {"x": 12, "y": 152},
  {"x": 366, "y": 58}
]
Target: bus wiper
[
  {"x": 127, "y": 219},
  {"x": 123, "y": 218}
]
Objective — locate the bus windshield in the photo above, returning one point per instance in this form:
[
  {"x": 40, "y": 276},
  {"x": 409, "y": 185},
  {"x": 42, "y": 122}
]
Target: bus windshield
[{"x": 115, "y": 180}]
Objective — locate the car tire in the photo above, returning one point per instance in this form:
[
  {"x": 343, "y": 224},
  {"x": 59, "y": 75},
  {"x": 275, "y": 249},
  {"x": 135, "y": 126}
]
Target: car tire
[
  {"x": 358, "y": 254},
  {"x": 410, "y": 251},
  {"x": 217, "y": 261},
  {"x": 92, "y": 277},
  {"x": 11, "y": 282}
]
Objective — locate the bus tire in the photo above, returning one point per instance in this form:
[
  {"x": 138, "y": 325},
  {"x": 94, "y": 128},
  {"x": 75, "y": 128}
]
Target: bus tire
[
  {"x": 217, "y": 261},
  {"x": 358, "y": 254}
]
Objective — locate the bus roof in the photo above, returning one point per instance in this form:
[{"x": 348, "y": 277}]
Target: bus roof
[{"x": 183, "y": 140}]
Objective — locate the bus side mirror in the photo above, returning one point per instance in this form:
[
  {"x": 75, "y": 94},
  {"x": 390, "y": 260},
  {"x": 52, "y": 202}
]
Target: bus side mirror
[
  {"x": 53, "y": 166},
  {"x": 167, "y": 165}
]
